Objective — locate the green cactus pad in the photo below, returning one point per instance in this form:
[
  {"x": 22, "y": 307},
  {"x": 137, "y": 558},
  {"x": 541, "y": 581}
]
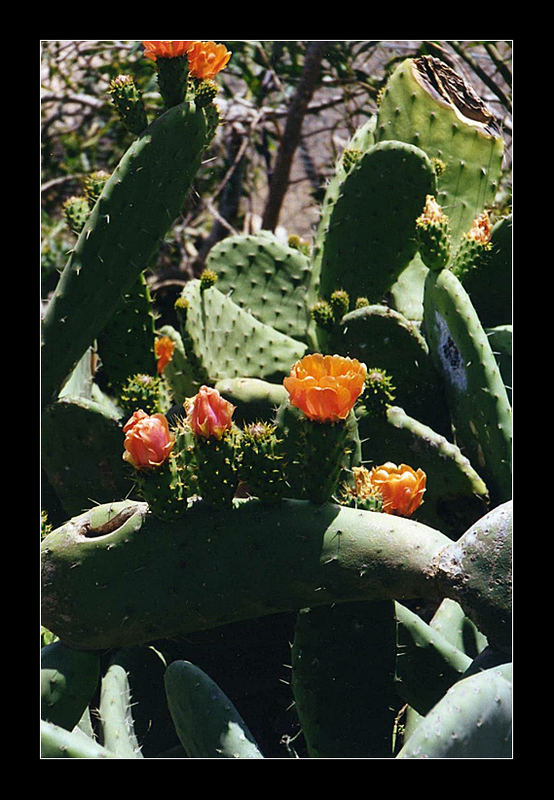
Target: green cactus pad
[
  {"x": 158, "y": 579},
  {"x": 455, "y": 495},
  {"x": 126, "y": 344},
  {"x": 370, "y": 236},
  {"x": 475, "y": 392},
  {"x": 57, "y": 742},
  {"x": 427, "y": 664},
  {"x": 138, "y": 205},
  {"x": 229, "y": 342},
  {"x": 115, "y": 714},
  {"x": 206, "y": 720},
  {"x": 68, "y": 681},
  {"x": 468, "y": 142},
  {"x": 382, "y": 337},
  {"x": 473, "y": 720},
  {"x": 253, "y": 398},
  {"x": 267, "y": 278},
  {"x": 451, "y": 622},
  {"x": 343, "y": 660},
  {"x": 82, "y": 447},
  {"x": 478, "y": 571},
  {"x": 500, "y": 339}
]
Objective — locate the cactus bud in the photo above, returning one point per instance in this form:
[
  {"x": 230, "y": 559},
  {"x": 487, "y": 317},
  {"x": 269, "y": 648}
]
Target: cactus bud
[
  {"x": 205, "y": 92},
  {"x": 93, "y": 185},
  {"x": 141, "y": 391},
  {"x": 148, "y": 441},
  {"x": 378, "y": 392},
  {"x": 76, "y": 211},
  {"x": 362, "y": 494},
  {"x": 433, "y": 235},
  {"x": 209, "y": 414},
  {"x": 340, "y": 303},
  {"x": 475, "y": 247},
  {"x": 207, "y": 278},
  {"x": 261, "y": 462},
  {"x": 323, "y": 316},
  {"x": 128, "y": 102}
]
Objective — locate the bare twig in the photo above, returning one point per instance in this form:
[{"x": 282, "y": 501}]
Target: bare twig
[{"x": 291, "y": 136}]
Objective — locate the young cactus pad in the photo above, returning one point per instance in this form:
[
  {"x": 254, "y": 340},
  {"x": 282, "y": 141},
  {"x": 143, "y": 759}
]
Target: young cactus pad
[
  {"x": 138, "y": 204},
  {"x": 370, "y": 236}
]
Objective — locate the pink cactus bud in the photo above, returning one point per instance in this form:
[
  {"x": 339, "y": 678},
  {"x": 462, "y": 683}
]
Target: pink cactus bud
[
  {"x": 209, "y": 414},
  {"x": 148, "y": 441}
]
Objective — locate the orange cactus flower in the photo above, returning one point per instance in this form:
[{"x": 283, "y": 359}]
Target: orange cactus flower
[
  {"x": 206, "y": 59},
  {"x": 401, "y": 487},
  {"x": 209, "y": 414},
  {"x": 148, "y": 441},
  {"x": 325, "y": 388},
  {"x": 163, "y": 348},
  {"x": 166, "y": 48}
]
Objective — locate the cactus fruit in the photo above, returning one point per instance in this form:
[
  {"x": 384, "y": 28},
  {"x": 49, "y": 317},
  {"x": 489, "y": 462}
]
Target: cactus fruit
[
  {"x": 261, "y": 462},
  {"x": 433, "y": 235},
  {"x": 76, "y": 211},
  {"x": 128, "y": 102}
]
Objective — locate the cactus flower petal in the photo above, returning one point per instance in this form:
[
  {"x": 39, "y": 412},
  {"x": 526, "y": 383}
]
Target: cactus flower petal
[
  {"x": 325, "y": 388},
  {"x": 401, "y": 487},
  {"x": 166, "y": 48},
  {"x": 148, "y": 441},
  {"x": 206, "y": 59},
  {"x": 209, "y": 414},
  {"x": 163, "y": 348}
]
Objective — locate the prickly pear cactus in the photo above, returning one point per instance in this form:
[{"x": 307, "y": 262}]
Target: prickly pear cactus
[{"x": 320, "y": 447}]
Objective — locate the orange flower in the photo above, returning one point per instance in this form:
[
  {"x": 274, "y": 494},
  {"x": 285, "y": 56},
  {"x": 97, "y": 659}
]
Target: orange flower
[
  {"x": 206, "y": 59},
  {"x": 401, "y": 487},
  {"x": 148, "y": 442},
  {"x": 209, "y": 414},
  {"x": 166, "y": 48},
  {"x": 325, "y": 388},
  {"x": 163, "y": 347}
]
